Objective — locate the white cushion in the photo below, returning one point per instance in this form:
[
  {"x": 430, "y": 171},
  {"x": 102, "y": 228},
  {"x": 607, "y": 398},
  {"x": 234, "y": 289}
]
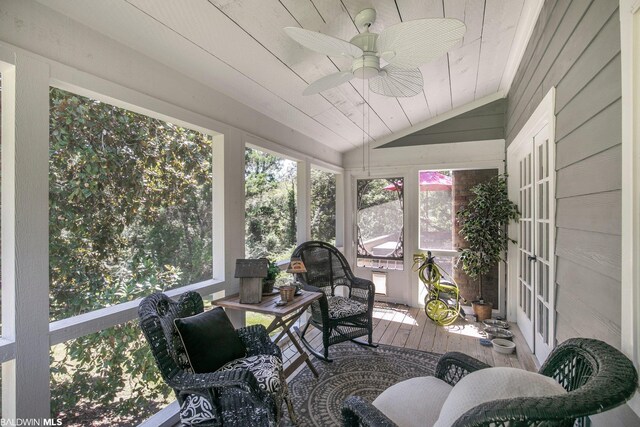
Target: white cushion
[
  {"x": 415, "y": 402},
  {"x": 490, "y": 384}
]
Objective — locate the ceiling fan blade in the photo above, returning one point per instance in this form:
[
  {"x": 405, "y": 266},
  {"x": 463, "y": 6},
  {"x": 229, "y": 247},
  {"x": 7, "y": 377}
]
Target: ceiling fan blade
[
  {"x": 397, "y": 82},
  {"x": 413, "y": 43},
  {"x": 328, "y": 82},
  {"x": 323, "y": 43}
]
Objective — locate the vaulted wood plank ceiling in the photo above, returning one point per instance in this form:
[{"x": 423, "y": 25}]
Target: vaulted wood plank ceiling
[{"x": 238, "y": 48}]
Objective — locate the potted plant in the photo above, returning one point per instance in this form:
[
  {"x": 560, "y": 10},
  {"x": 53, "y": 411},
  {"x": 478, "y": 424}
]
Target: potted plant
[
  {"x": 273, "y": 271},
  {"x": 483, "y": 224}
]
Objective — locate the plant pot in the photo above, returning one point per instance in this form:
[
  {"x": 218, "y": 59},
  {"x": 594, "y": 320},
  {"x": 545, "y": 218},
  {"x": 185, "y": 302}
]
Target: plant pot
[
  {"x": 482, "y": 310},
  {"x": 287, "y": 293},
  {"x": 267, "y": 286}
]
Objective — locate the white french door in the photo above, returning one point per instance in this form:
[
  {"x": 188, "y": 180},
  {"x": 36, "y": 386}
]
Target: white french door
[
  {"x": 525, "y": 315},
  {"x": 532, "y": 187},
  {"x": 543, "y": 237}
]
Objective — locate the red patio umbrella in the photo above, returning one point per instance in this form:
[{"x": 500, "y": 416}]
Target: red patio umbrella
[{"x": 430, "y": 180}]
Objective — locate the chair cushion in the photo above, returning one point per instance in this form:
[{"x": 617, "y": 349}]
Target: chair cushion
[
  {"x": 196, "y": 409},
  {"x": 415, "y": 402},
  {"x": 492, "y": 384},
  {"x": 209, "y": 340},
  {"x": 341, "y": 307},
  {"x": 265, "y": 367}
]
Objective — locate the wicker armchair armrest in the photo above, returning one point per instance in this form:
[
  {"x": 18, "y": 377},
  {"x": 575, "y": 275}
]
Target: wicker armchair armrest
[
  {"x": 257, "y": 341},
  {"x": 358, "y": 412},
  {"x": 186, "y": 382},
  {"x": 453, "y": 366},
  {"x": 359, "y": 282}
]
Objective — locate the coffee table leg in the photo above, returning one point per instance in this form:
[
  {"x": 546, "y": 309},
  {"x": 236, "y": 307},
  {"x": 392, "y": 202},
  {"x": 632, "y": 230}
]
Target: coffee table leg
[{"x": 303, "y": 356}]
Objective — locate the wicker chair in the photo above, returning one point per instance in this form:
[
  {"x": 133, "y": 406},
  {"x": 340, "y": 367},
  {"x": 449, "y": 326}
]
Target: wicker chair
[
  {"x": 233, "y": 396},
  {"x": 596, "y": 376},
  {"x": 339, "y": 318}
]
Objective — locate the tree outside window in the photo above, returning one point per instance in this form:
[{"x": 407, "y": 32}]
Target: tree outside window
[{"x": 130, "y": 213}]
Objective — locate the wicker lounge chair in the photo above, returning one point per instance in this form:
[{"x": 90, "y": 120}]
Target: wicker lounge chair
[
  {"x": 339, "y": 318},
  {"x": 235, "y": 397},
  {"x": 596, "y": 376}
]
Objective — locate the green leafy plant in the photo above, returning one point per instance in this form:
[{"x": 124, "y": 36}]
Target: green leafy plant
[
  {"x": 129, "y": 214},
  {"x": 273, "y": 271},
  {"x": 483, "y": 224}
]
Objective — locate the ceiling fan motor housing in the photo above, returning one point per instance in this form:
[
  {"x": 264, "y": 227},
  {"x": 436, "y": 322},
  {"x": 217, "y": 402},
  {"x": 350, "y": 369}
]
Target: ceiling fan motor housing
[{"x": 368, "y": 65}]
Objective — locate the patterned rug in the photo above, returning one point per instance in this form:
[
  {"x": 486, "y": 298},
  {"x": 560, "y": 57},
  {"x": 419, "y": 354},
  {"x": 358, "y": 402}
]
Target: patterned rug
[{"x": 355, "y": 370}]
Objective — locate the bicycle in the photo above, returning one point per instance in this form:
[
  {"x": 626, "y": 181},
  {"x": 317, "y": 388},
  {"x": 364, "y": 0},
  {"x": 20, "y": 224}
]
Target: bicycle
[{"x": 442, "y": 301}]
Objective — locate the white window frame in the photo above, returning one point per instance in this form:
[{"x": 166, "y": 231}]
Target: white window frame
[{"x": 630, "y": 277}]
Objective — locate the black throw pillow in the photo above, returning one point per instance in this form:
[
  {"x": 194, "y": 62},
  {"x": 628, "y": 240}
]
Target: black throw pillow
[{"x": 210, "y": 340}]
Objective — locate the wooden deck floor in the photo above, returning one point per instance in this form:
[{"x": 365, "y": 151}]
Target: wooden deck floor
[{"x": 403, "y": 326}]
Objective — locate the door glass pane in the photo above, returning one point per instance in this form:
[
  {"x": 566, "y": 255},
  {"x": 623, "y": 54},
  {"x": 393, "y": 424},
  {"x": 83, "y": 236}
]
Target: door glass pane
[
  {"x": 436, "y": 210},
  {"x": 541, "y": 195},
  {"x": 380, "y": 210},
  {"x": 546, "y": 280},
  {"x": 540, "y": 323},
  {"x": 547, "y": 172},
  {"x": 540, "y": 162},
  {"x": 539, "y": 249},
  {"x": 546, "y": 241},
  {"x": 546, "y": 199}
]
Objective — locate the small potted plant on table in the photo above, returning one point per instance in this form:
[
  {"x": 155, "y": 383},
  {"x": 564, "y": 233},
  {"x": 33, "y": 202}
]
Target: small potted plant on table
[
  {"x": 273, "y": 271},
  {"x": 483, "y": 224}
]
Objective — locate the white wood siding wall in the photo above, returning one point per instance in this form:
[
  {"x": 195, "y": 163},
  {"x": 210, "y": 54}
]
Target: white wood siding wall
[{"x": 575, "y": 46}]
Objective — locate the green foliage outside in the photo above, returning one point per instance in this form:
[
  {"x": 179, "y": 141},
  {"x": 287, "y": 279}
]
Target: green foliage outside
[
  {"x": 270, "y": 205},
  {"x": 130, "y": 213},
  {"x": 323, "y": 206},
  {"x": 483, "y": 224}
]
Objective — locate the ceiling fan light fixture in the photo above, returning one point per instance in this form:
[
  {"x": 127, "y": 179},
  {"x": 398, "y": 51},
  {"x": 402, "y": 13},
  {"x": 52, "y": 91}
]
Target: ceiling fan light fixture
[{"x": 366, "y": 67}]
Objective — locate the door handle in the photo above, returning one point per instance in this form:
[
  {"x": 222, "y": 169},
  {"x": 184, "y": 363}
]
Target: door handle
[{"x": 532, "y": 258}]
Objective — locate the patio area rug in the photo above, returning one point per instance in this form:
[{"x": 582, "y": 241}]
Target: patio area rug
[{"x": 355, "y": 370}]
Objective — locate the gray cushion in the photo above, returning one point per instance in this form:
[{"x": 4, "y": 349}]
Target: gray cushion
[{"x": 415, "y": 402}]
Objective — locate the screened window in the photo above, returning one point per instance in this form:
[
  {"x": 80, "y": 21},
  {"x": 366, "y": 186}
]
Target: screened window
[
  {"x": 130, "y": 205},
  {"x": 106, "y": 378},
  {"x": 323, "y": 206},
  {"x": 270, "y": 205},
  {"x": 380, "y": 224}
]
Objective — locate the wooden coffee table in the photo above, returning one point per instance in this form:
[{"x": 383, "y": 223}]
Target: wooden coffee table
[{"x": 285, "y": 317}]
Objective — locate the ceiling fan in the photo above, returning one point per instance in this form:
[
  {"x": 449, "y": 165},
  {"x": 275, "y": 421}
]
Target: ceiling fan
[{"x": 404, "y": 47}]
